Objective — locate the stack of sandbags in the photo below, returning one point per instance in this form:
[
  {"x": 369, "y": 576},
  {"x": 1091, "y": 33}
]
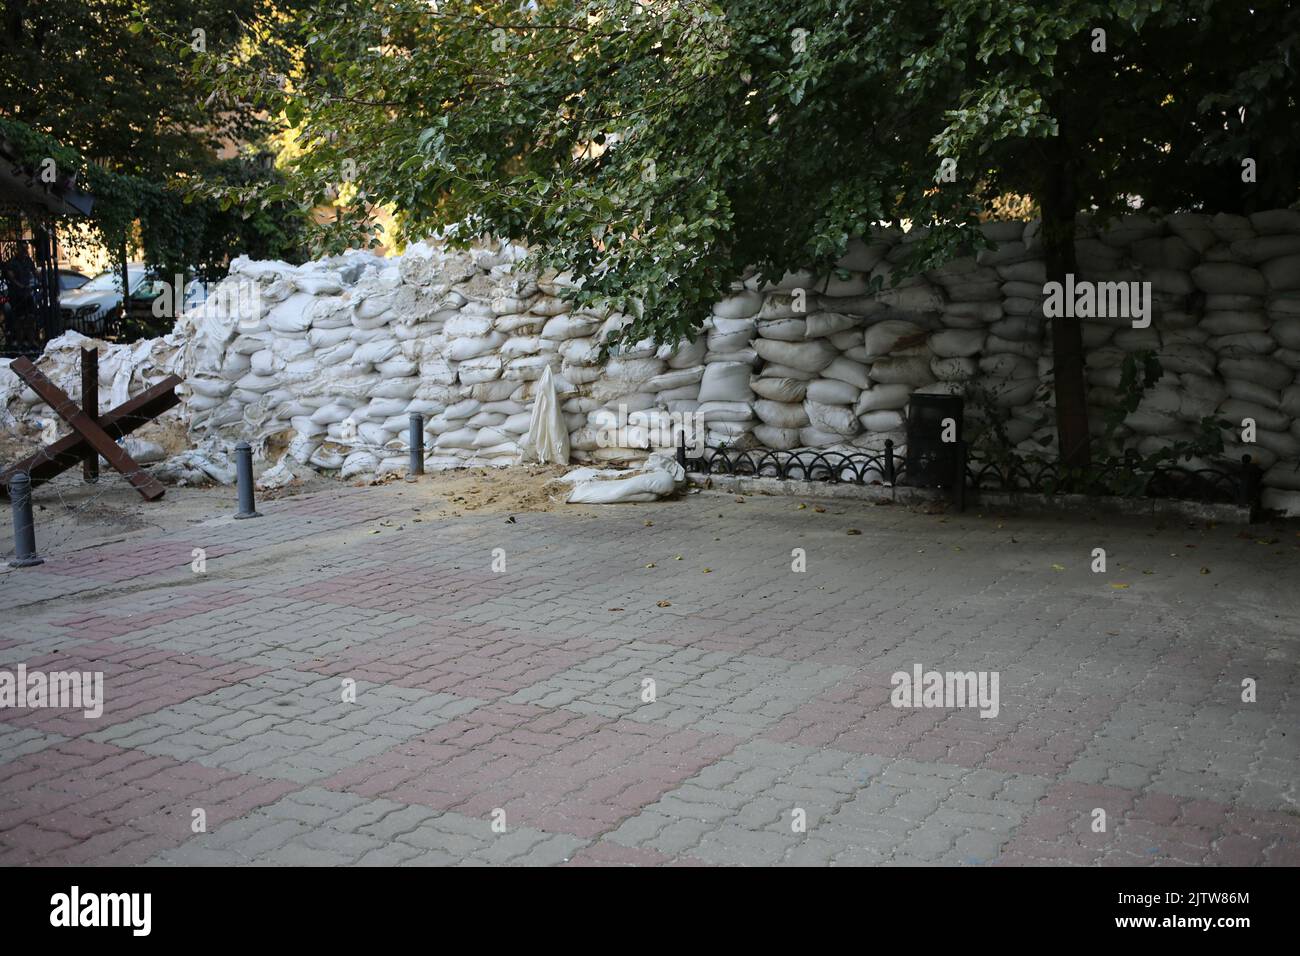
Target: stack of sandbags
[{"x": 335, "y": 355}]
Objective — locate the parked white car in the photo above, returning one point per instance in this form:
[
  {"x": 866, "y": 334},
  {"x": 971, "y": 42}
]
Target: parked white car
[{"x": 87, "y": 308}]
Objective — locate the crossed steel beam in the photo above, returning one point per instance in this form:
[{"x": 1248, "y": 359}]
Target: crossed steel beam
[{"x": 93, "y": 434}]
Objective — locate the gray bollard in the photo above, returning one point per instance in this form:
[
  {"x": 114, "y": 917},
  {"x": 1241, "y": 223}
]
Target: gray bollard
[
  {"x": 244, "y": 481},
  {"x": 416, "y": 441},
  {"x": 20, "y": 493}
]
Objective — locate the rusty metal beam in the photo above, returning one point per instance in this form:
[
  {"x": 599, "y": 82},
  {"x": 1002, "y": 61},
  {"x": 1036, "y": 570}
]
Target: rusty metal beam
[
  {"x": 91, "y": 433},
  {"x": 90, "y": 403}
]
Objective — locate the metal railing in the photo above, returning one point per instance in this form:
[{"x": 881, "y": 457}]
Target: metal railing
[{"x": 1223, "y": 482}]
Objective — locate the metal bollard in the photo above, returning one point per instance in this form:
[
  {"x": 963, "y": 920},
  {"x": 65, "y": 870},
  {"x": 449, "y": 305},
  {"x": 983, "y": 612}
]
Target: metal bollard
[
  {"x": 20, "y": 493},
  {"x": 416, "y": 441},
  {"x": 244, "y": 481}
]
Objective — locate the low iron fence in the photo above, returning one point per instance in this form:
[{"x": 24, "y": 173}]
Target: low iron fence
[{"x": 1223, "y": 482}]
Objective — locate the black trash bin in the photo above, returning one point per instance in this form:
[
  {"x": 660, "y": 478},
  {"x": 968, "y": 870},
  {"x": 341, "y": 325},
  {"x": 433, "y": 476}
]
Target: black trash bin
[{"x": 931, "y": 461}]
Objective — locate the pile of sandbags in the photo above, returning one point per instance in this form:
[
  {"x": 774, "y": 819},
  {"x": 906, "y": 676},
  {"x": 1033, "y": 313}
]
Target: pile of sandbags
[{"x": 331, "y": 358}]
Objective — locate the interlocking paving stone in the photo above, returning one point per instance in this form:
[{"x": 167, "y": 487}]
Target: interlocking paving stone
[
  {"x": 80, "y": 802},
  {"x": 549, "y": 769},
  {"x": 287, "y": 724},
  {"x": 712, "y": 692},
  {"x": 742, "y": 810},
  {"x": 316, "y": 827},
  {"x": 522, "y": 691}
]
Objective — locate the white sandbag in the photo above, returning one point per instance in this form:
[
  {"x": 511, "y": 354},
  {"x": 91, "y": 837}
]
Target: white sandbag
[
  {"x": 784, "y": 305},
  {"x": 728, "y": 335},
  {"x": 1289, "y": 401},
  {"x": 1009, "y": 393},
  {"x": 894, "y": 336},
  {"x": 783, "y": 415},
  {"x": 725, "y": 412},
  {"x": 779, "y": 439},
  {"x": 688, "y": 353},
  {"x": 486, "y": 368},
  {"x": 687, "y": 393},
  {"x": 910, "y": 370},
  {"x": 1266, "y": 372},
  {"x": 826, "y": 324},
  {"x": 1285, "y": 329},
  {"x": 1187, "y": 358},
  {"x": 836, "y": 419},
  {"x": 953, "y": 369},
  {"x": 1243, "y": 344},
  {"x": 845, "y": 370},
  {"x": 882, "y": 398},
  {"x": 883, "y": 420},
  {"x": 725, "y": 382},
  {"x": 811, "y": 437},
  {"x": 358, "y": 464},
  {"x": 829, "y": 391},
  {"x": 290, "y": 317},
  {"x": 570, "y": 326},
  {"x": 1283, "y": 444},
  {"x": 956, "y": 343},
  {"x": 649, "y": 485},
  {"x": 809, "y": 356},
  {"x": 529, "y": 368},
  {"x": 460, "y": 349},
  {"x": 1284, "y": 474},
  {"x": 1229, "y": 278},
  {"x": 791, "y": 329},
  {"x": 460, "y": 438},
  {"x": 779, "y": 389},
  {"x": 1254, "y": 392},
  {"x": 1235, "y": 410},
  {"x": 1282, "y": 274},
  {"x": 742, "y": 305}
]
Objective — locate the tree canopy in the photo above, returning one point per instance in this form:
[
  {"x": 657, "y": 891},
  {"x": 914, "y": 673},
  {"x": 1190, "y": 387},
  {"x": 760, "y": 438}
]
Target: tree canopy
[
  {"x": 657, "y": 149},
  {"x": 120, "y": 109}
]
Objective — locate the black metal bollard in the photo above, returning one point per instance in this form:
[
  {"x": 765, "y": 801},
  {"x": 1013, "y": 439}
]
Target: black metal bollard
[
  {"x": 889, "y": 462},
  {"x": 1249, "y": 493},
  {"x": 959, "y": 476},
  {"x": 20, "y": 493},
  {"x": 681, "y": 447},
  {"x": 416, "y": 441},
  {"x": 244, "y": 481}
]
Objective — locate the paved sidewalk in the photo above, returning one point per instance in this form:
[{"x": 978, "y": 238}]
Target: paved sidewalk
[{"x": 654, "y": 684}]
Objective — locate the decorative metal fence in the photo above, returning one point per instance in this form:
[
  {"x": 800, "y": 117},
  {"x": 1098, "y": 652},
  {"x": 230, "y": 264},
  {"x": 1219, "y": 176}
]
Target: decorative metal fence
[{"x": 1223, "y": 482}]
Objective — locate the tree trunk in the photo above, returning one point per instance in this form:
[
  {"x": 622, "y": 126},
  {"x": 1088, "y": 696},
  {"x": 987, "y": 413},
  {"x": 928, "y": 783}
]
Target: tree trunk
[{"x": 1059, "y": 203}]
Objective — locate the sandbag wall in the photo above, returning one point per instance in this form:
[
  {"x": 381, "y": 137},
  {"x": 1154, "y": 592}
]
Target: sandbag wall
[{"x": 334, "y": 355}]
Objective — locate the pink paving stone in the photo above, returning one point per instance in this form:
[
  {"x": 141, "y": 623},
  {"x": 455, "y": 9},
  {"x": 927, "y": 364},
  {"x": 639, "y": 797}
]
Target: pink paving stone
[
  {"x": 103, "y": 625},
  {"x": 548, "y": 769},
  {"x": 487, "y": 665},
  {"x": 409, "y": 588},
  {"x": 122, "y": 810},
  {"x": 114, "y": 563},
  {"x": 137, "y": 680}
]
